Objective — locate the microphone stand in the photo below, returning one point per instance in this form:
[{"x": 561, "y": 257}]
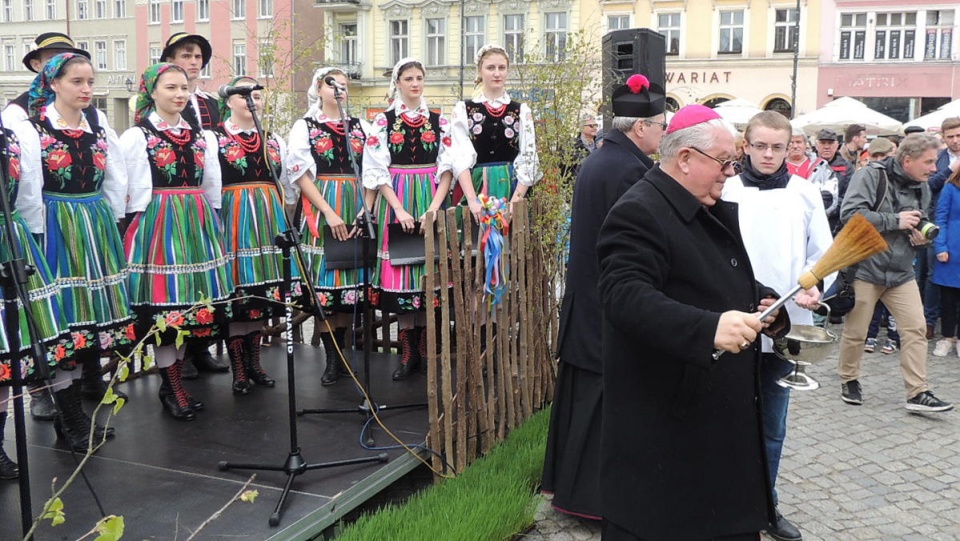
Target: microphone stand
[
  {"x": 13, "y": 276},
  {"x": 295, "y": 464},
  {"x": 368, "y": 406}
]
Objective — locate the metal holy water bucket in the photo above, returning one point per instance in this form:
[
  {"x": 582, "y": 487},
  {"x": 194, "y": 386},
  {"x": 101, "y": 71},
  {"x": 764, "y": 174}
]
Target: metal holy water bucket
[{"x": 806, "y": 344}]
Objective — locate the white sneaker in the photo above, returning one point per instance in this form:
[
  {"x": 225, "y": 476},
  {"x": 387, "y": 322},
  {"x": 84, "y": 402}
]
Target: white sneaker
[{"x": 944, "y": 346}]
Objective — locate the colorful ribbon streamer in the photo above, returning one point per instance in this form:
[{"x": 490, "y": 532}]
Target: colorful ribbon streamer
[{"x": 493, "y": 231}]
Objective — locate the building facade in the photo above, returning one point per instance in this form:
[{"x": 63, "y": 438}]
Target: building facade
[
  {"x": 723, "y": 49},
  {"x": 900, "y": 58}
]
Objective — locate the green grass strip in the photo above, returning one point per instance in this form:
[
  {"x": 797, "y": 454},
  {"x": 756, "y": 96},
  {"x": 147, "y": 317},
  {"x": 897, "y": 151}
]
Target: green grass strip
[{"x": 491, "y": 501}]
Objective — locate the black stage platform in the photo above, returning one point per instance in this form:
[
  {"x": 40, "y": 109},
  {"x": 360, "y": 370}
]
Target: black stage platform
[{"x": 161, "y": 475}]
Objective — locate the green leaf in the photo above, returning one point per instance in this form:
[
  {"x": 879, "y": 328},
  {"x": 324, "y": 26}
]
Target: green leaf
[
  {"x": 110, "y": 528},
  {"x": 157, "y": 338},
  {"x": 109, "y": 397},
  {"x": 180, "y": 336},
  {"x": 161, "y": 323},
  {"x": 118, "y": 405},
  {"x": 249, "y": 496},
  {"x": 147, "y": 361},
  {"x": 55, "y": 513},
  {"x": 124, "y": 371}
]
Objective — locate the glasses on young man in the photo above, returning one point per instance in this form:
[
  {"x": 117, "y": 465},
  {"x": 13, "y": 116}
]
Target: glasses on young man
[
  {"x": 762, "y": 147},
  {"x": 725, "y": 165}
]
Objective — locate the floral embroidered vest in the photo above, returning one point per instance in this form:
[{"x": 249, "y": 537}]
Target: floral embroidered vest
[
  {"x": 413, "y": 143},
  {"x": 495, "y": 138},
  {"x": 241, "y": 157},
  {"x": 73, "y": 161},
  {"x": 328, "y": 150},
  {"x": 10, "y": 157},
  {"x": 174, "y": 163}
]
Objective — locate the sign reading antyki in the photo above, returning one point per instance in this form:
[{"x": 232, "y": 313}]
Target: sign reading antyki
[{"x": 690, "y": 77}]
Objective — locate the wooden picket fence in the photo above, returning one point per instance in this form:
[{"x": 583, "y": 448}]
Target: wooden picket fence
[{"x": 489, "y": 367}]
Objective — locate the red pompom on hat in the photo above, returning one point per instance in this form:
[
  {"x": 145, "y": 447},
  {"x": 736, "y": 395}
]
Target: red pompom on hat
[
  {"x": 637, "y": 82},
  {"x": 691, "y": 115}
]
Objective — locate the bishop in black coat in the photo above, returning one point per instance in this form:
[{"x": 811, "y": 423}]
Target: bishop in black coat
[{"x": 682, "y": 454}]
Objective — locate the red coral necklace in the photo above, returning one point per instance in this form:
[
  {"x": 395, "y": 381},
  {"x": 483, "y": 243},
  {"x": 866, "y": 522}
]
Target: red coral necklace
[
  {"x": 180, "y": 139},
  {"x": 413, "y": 123},
  {"x": 250, "y": 146},
  {"x": 495, "y": 112}
]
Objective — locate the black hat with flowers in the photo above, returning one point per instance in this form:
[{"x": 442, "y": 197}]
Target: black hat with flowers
[{"x": 638, "y": 98}]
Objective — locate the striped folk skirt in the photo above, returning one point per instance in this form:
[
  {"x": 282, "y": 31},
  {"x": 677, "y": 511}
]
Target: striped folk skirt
[
  {"x": 85, "y": 255},
  {"x": 252, "y": 218},
  {"x": 399, "y": 289},
  {"x": 44, "y": 303},
  {"x": 178, "y": 268},
  {"x": 338, "y": 290}
]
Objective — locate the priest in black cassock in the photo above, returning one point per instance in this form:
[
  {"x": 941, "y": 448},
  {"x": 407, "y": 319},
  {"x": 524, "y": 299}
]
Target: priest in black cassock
[{"x": 572, "y": 463}]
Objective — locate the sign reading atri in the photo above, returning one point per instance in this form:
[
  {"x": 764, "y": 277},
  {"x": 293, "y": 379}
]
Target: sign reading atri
[{"x": 685, "y": 77}]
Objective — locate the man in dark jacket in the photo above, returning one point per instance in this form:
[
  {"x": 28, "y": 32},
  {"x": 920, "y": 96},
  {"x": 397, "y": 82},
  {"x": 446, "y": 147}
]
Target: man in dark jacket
[
  {"x": 828, "y": 146},
  {"x": 900, "y": 184},
  {"x": 682, "y": 453},
  {"x": 572, "y": 463}
]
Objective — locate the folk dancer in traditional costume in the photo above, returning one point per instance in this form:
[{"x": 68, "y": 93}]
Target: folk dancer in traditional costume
[
  {"x": 46, "y": 46},
  {"x": 72, "y": 195},
  {"x": 408, "y": 160},
  {"x": 174, "y": 245},
  {"x": 193, "y": 52},
  {"x": 501, "y": 136},
  {"x": 253, "y": 216},
  {"x": 319, "y": 164},
  {"x": 45, "y": 305}
]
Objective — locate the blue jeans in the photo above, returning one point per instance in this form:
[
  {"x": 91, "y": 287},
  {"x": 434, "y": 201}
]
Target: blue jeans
[
  {"x": 930, "y": 290},
  {"x": 880, "y": 312},
  {"x": 776, "y": 401}
]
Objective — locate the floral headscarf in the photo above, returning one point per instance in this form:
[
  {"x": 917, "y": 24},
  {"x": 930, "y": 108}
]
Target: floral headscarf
[
  {"x": 148, "y": 81},
  {"x": 224, "y": 108},
  {"x": 41, "y": 94},
  {"x": 393, "y": 95},
  {"x": 313, "y": 98}
]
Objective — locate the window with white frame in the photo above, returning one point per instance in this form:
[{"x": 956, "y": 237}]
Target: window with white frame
[
  {"x": 99, "y": 9},
  {"x": 203, "y": 10},
  {"x": 28, "y": 10},
  {"x": 155, "y": 52},
  {"x": 266, "y": 9},
  {"x": 83, "y": 45},
  {"x": 51, "y": 10},
  {"x": 618, "y": 22},
  {"x": 436, "y": 41},
  {"x": 853, "y": 36},
  {"x": 239, "y": 9},
  {"x": 896, "y": 35},
  {"x": 83, "y": 10},
  {"x": 10, "y": 56},
  {"x": 154, "y": 11},
  {"x": 785, "y": 30},
  {"x": 668, "y": 24},
  {"x": 265, "y": 54},
  {"x": 399, "y": 40},
  {"x": 239, "y": 58},
  {"x": 513, "y": 36},
  {"x": 205, "y": 72},
  {"x": 731, "y": 32},
  {"x": 555, "y": 34},
  {"x": 473, "y": 31},
  {"x": 119, "y": 55},
  {"x": 120, "y": 9},
  {"x": 100, "y": 55},
  {"x": 27, "y": 47},
  {"x": 8, "y": 11},
  {"x": 939, "y": 35},
  {"x": 348, "y": 44},
  {"x": 176, "y": 11}
]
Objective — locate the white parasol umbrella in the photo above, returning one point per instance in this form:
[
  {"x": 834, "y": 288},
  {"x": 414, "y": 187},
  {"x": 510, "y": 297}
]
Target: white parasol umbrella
[
  {"x": 737, "y": 112},
  {"x": 936, "y": 118},
  {"x": 842, "y": 112}
]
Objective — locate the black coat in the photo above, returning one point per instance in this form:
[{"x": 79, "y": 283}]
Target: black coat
[
  {"x": 682, "y": 455},
  {"x": 604, "y": 176}
]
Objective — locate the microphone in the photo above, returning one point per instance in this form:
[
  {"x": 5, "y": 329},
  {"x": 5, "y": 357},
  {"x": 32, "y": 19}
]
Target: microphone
[
  {"x": 226, "y": 90},
  {"x": 334, "y": 83}
]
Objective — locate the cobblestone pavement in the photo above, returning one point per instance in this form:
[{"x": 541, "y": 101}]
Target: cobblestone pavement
[{"x": 854, "y": 473}]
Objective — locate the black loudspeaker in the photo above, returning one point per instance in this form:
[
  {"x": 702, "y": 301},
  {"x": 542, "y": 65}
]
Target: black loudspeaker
[{"x": 625, "y": 52}]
